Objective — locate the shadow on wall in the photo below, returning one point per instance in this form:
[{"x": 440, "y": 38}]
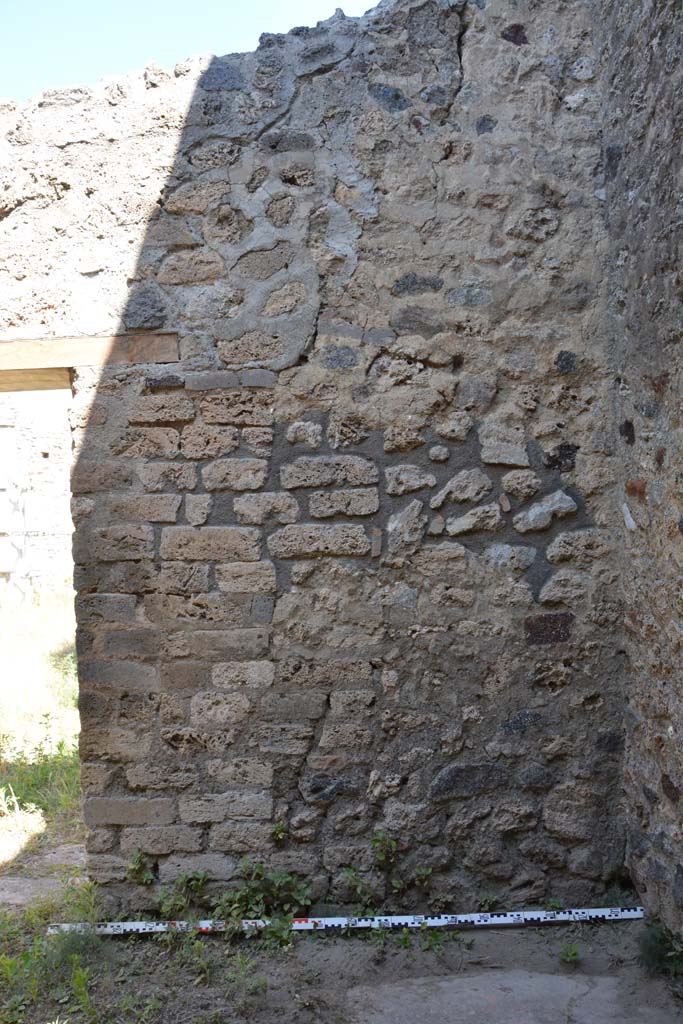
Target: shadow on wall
[{"x": 330, "y": 576}]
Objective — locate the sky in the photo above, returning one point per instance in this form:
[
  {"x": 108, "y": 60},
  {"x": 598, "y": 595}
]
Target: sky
[{"x": 48, "y": 44}]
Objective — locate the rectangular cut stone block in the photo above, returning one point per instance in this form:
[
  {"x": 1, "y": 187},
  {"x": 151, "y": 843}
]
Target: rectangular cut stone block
[
  {"x": 257, "y": 508},
  {"x": 160, "y": 776},
  {"x": 323, "y": 470},
  {"x": 243, "y": 673},
  {"x": 201, "y": 442},
  {"x": 211, "y": 708},
  {"x": 114, "y": 544},
  {"x": 102, "y": 608},
  {"x": 241, "y": 772},
  {"x": 229, "y": 643},
  {"x": 114, "y": 744},
  {"x": 176, "y": 609},
  {"x": 165, "y": 476},
  {"x": 221, "y": 806},
  {"x": 182, "y": 674},
  {"x": 238, "y": 406},
  {"x": 216, "y": 866},
  {"x": 327, "y": 675},
  {"x": 105, "y": 870},
  {"x": 241, "y": 837},
  {"x": 210, "y": 380},
  {"x": 280, "y": 738},
  {"x": 118, "y": 674},
  {"x": 101, "y": 810},
  {"x": 246, "y": 578},
  {"x": 283, "y": 707},
  {"x": 140, "y": 644},
  {"x": 363, "y": 502},
  {"x": 211, "y": 543},
  {"x": 310, "y": 539},
  {"x": 344, "y": 734},
  {"x": 168, "y": 408},
  {"x": 91, "y": 476},
  {"x": 235, "y": 475},
  {"x": 151, "y": 508},
  {"x": 148, "y": 443},
  {"x": 161, "y": 839},
  {"x": 181, "y": 578}
]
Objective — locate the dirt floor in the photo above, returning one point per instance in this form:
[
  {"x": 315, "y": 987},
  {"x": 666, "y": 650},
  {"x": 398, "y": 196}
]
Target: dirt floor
[{"x": 490, "y": 976}]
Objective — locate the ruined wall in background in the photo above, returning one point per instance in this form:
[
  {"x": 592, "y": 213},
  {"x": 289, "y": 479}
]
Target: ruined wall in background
[
  {"x": 35, "y": 522},
  {"x": 348, "y": 565},
  {"x": 643, "y": 124}
]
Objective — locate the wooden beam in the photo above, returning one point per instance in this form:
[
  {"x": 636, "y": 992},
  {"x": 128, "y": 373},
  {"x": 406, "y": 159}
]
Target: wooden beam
[
  {"x": 63, "y": 353},
  {"x": 35, "y": 380}
]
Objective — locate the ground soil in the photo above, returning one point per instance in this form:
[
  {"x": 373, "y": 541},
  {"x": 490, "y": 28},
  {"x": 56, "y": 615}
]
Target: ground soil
[{"x": 480, "y": 974}]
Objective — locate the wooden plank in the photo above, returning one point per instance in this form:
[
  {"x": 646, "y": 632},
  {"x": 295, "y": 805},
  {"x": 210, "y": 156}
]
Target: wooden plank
[
  {"x": 35, "y": 380},
  {"x": 48, "y": 353}
]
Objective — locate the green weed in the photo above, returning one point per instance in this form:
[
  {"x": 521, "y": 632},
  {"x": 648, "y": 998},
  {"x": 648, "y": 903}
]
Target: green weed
[
  {"x": 365, "y": 896},
  {"x": 569, "y": 954},
  {"x": 248, "y": 988},
  {"x": 265, "y": 892},
  {"x": 278, "y": 831},
  {"x": 175, "y": 903},
  {"x": 140, "y": 869},
  {"x": 80, "y": 984},
  {"x": 384, "y": 850},
  {"x": 422, "y": 878},
  {"x": 431, "y": 940}
]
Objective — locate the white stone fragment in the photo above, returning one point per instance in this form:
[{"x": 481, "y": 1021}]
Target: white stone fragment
[
  {"x": 628, "y": 518},
  {"x": 485, "y": 517},
  {"x": 406, "y": 528},
  {"x": 541, "y": 515},
  {"x": 467, "y": 485},
  {"x": 405, "y": 478},
  {"x": 305, "y": 432}
]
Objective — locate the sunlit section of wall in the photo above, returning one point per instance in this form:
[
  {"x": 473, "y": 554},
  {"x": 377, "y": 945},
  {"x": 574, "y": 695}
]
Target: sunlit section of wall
[{"x": 35, "y": 522}]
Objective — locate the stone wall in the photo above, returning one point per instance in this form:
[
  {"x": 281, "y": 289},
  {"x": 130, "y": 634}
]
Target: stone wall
[
  {"x": 643, "y": 124},
  {"x": 350, "y": 564}
]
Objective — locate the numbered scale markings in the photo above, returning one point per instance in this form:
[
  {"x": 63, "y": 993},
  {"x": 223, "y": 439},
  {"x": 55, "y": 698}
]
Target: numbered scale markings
[{"x": 338, "y": 924}]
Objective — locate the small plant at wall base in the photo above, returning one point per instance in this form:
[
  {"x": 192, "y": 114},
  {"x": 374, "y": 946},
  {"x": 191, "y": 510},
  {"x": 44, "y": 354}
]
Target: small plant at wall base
[
  {"x": 264, "y": 893},
  {"x": 569, "y": 954},
  {"x": 175, "y": 902},
  {"x": 365, "y": 897}
]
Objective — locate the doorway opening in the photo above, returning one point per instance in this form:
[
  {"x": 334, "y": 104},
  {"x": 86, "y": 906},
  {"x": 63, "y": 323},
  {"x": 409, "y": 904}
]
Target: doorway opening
[{"x": 39, "y": 724}]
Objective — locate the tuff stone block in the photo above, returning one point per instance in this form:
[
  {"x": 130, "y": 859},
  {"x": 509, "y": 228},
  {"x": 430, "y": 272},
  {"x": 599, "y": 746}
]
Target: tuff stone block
[
  {"x": 222, "y": 806},
  {"x": 211, "y": 543},
  {"x": 235, "y": 475},
  {"x": 202, "y": 442},
  {"x": 363, "y": 501},
  {"x": 246, "y": 578},
  {"x": 99, "y": 810},
  {"x": 238, "y": 407},
  {"x": 310, "y": 540},
  {"x": 322, "y": 470}
]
